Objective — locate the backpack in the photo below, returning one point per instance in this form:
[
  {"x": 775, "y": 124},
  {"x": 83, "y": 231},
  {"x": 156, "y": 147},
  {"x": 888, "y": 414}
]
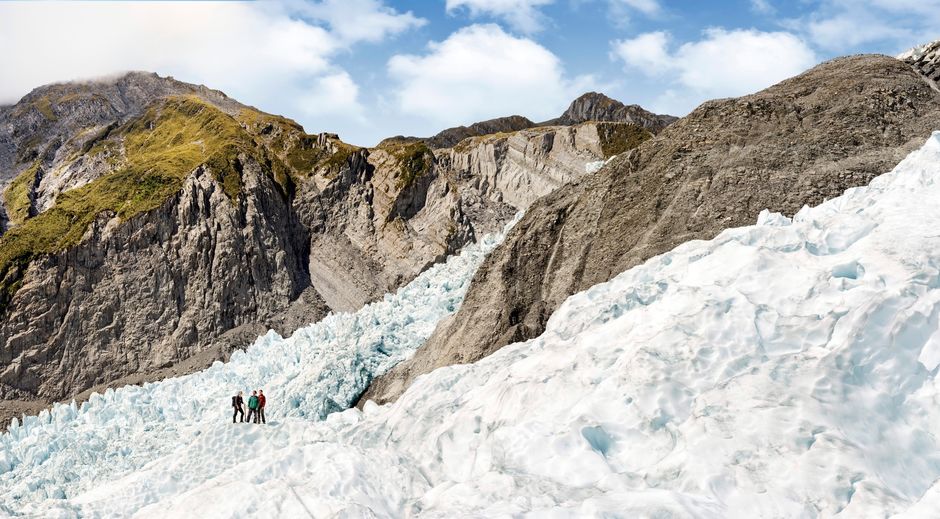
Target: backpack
[{"x": 234, "y": 401}]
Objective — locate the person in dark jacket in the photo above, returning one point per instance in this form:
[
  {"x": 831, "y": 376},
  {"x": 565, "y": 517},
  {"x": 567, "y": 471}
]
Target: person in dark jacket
[
  {"x": 253, "y": 406},
  {"x": 239, "y": 404},
  {"x": 261, "y": 401}
]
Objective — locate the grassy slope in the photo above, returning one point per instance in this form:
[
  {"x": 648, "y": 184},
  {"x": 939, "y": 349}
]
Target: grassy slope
[
  {"x": 16, "y": 196},
  {"x": 415, "y": 160},
  {"x": 160, "y": 149}
]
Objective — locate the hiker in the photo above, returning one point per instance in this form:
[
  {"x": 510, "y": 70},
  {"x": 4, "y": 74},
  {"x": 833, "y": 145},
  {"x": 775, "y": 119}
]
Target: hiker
[
  {"x": 253, "y": 406},
  {"x": 261, "y": 405},
  {"x": 239, "y": 404}
]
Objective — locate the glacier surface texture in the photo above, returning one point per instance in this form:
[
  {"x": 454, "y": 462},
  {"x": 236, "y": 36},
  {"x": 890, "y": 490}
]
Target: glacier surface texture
[{"x": 786, "y": 369}]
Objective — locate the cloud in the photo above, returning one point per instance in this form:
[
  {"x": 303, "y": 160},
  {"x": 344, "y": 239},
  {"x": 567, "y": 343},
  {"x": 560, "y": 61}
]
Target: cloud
[
  {"x": 334, "y": 94},
  {"x": 763, "y": 7},
  {"x": 621, "y": 11},
  {"x": 480, "y": 72},
  {"x": 722, "y": 64},
  {"x": 280, "y": 57},
  {"x": 358, "y": 20},
  {"x": 522, "y": 15},
  {"x": 843, "y": 25},
  {"x": 648, "y": 7},
  {"x": 647, "y": 52}
]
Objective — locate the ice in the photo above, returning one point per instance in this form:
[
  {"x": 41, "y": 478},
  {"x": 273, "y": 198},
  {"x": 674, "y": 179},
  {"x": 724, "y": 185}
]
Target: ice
[
  {"x": 320, "y": 369},
  {"x": 786, "y": 369},
  {"x": 595, "y": 166}
]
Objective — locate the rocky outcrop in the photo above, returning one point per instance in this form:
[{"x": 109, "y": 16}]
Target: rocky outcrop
[
  {"x": 925, "y": 59},
  {"x": 594, "y": 106},
  {"x": 153, "y": 226},
  {"x": 590, "y": 107},
  {"x": 451, "y": 136},
  {"x": 799, "y": 142}
]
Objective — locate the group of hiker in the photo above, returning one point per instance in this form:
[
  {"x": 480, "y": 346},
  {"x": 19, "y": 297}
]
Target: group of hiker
[{"x": 255, "y": 407}]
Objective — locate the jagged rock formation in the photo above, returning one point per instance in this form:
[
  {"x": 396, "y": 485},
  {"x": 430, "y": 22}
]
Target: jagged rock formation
[
  {"x": 593, "y": 106},
  {"x": 152, "y": 226},
  {"x": 799, "y": 142},
  {"x": 590, "y": 107},
  {"x": 925, "y": 59},
  {"x": 451, "y": 136}
]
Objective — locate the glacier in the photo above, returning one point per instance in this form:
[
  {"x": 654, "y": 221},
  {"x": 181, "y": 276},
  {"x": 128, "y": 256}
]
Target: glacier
[
  {"x": 321, "y": 368},
  {"x": 785, "y": 369}
]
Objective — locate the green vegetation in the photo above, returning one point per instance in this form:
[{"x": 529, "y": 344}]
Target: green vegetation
[
  {"x": 97, "y": 143},
  {"x": 617, "y": 138},
  {"x": 44, "y": 105},
  {"x": 335, "y": 161},
  {"x": 170, "y": 140},
  {"x": 296, "y": 154},
  {"x": 415, "y": 160},
  {"x": 17, "y": 195}
]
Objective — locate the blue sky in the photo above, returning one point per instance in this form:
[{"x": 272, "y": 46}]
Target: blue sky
[{"x": 369, "y": 69}]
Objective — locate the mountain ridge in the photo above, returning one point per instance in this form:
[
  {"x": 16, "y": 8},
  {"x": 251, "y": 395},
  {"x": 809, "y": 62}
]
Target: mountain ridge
[
  {"x": 154, "y": 227},
  {"x": 588, "y": 107}
]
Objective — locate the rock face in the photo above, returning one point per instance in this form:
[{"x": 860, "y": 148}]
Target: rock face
[
  {"x": 799, "y": 142},
  {"x": 152, "y": 226},
  {"x": 143, "y": 294},
  {"x": 452, "y": 136},
  {"x": 925, "y": 59}
]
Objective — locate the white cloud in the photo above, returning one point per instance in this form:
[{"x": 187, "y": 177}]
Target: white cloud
[
  {"x": 621, "y": 11},
  {"x": 334, "y": 94},
  {"x": 647, "y": 52},
  {"x": 522, "y": 15},
  {"x": 359, "y": 20},
  {"x": 279, "y": 57},
  {"x": 481, "y": 72},
  {"x": 648, "y": 7},
  {"x": 842, "y": 25},
  {"x": 722, "y": 64},
  {"x": 842, "y": 31},
  {"x": 763, "y": 7}
]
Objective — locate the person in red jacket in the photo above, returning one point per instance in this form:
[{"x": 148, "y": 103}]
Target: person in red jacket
[{"x": 261, "y": 400}]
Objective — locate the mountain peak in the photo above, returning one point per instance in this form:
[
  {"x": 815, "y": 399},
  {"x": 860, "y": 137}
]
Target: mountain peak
[
  {"x": 127, "y": 92},
  {"x": 595, "y": 106}
]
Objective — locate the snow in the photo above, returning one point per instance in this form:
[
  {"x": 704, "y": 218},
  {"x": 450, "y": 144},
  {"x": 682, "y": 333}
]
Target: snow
[
  {"x": 915, "y": 53},
  {"x": 786, "y": 369},
  {"x": 595, "y": 166}
]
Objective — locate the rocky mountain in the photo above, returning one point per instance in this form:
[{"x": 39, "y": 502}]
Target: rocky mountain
[
  {"x": 594, "y": 106},
  {"x": 151, "y": 226},
  {"x": 451, "y": 136},
  {"x": 590, "y": 107},
  {"x": 799, "y": 142}
]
